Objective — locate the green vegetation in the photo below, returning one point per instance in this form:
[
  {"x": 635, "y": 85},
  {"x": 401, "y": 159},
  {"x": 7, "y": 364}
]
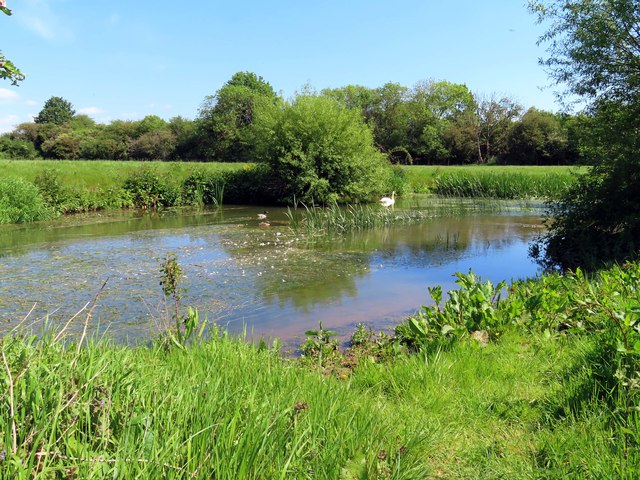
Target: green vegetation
[
  {"x": 7, "y": 69},
  {"x": 593, "y": 50},
  {"x": 319, "y": 152},
  {"x": 424, "y": 179},
  {"x": 434, "y": 122},
  {"x": 56, "y": 110},
  {"x": 512, "y": 185},
  {"x": 539, "y": 384},
  {"x": 79, "y": 186},
  {"x": 21, "y": 202},
  {"x": 315, "y": 221}
]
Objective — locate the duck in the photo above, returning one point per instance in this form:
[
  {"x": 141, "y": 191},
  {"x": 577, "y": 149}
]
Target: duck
[
  {"x": 263, "y": 215},
  {"x": 387, "y": 202},
  {"x": 264, "y": 224}
]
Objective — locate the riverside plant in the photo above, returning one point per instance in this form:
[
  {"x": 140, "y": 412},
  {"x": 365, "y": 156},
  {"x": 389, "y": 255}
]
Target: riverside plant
[
  {"x": 338, "y": 220},
  {"x": 218, "y": 409},
  {"x": 503, "y": 185},
  {"x": 20, "y": 202},
  {"x": 184, "y": 326},
  {"x": 474, "y": 307}
]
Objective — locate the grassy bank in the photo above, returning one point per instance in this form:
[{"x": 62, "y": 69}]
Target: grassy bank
[
  {"x": 548, "y": 391},
  {"x": 78, "y": 186}
]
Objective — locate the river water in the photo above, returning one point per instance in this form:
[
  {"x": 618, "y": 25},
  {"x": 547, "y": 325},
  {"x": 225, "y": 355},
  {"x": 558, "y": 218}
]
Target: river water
[{"x": 267, "y": 281}]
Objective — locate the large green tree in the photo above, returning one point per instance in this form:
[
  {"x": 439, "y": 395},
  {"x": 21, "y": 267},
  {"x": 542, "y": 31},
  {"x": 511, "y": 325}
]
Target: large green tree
[
  {"x": 433, "y": 106},
  {"x": 225, "y": 117},
  {"x": 56, "y": 110},
  {"x": 539, "y": 138},
  {"x": 594, "y": 50}
]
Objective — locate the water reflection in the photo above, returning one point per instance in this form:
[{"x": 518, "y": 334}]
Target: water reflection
[{"x": 239, "y": 274}]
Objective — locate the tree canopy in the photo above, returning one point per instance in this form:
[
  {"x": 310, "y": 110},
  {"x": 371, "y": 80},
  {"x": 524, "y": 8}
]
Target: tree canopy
[
  {"x": 594, "y": 49},
  {"x": 56, "y": 110},
  {"x": 319, "y": 151}
]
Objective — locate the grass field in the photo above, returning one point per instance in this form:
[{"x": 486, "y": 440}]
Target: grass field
[
  {"x": 105, "y": 173},
  {"x": 92, "y": 174}
]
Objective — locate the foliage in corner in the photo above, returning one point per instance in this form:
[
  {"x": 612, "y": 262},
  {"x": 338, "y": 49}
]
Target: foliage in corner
[{"x": 7, "y": 69}]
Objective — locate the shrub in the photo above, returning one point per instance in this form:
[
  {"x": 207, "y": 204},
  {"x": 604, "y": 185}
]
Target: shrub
[
  {"x": 149, "y": 190},
  {"x": 21, "y": 202},
  {"x": 16, "y": 148},
  {"x": 319, "y": 151}
]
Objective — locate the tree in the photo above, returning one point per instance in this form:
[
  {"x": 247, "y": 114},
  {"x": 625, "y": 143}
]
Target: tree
[
  {"x": 433, "y": 106},
  {"x": 319, "y": 151},
  {"x": 56, "y": 110},
  {"x": 595, "y": 52},
  {"x": 539, "y": 138},
  {"x": 7, "y": 69},
  {"x": 224, "y": 117},
  {"x": 480, "y": 134}
]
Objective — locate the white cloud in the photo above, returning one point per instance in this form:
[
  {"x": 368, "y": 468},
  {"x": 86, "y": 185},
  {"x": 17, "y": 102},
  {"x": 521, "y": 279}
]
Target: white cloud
[
  {"x": 90, "y": 111},
  {"x": 7, "y": 95},
  {"x": 31, "y": 103},
  {"x": 8, "y": 122},
  {"x": 39, "y": 17}
]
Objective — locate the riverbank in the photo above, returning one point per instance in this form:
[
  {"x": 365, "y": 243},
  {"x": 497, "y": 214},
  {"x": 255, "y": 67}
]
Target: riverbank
[
  {"x": 80, "y": 186},
  {"x": 546, "y": 391}
]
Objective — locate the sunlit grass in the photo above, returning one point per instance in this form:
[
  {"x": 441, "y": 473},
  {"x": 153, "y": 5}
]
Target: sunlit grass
[
  {"x": 423, "y": 178},
  {"x": 105, "y": 174}
]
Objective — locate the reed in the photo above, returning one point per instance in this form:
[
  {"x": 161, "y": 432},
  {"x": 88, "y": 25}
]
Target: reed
[
  {"x": 334, "y": 219},
  {"x": 502, "y": 185}
]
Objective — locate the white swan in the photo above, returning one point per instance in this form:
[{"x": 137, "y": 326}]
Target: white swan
[{"x": 387, "y": 202}]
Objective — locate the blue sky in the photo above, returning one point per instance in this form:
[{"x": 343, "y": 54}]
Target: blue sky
[{"x": 127, "y": 59}]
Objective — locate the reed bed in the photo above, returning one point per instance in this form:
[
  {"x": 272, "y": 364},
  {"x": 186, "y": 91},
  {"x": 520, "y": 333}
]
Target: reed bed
[
  {"x": 314, "y": 221},
  {"x": 502, "y": 185}
]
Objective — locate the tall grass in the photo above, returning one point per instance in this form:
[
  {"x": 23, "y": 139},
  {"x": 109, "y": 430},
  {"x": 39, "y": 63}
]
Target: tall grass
[
  {"x": 220, "y": 409},
  {"x": 20, "y": 202},
  {"x": 335, "y": 219},
  {"x": 501, "y": 185}
]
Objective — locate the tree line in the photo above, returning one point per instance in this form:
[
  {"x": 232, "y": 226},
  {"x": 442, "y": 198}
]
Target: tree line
[{"x": 435, "y": 122}]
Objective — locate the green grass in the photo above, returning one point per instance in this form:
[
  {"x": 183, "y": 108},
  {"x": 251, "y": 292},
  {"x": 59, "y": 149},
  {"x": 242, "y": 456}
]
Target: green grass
[
  {"x": 105, "y": 174},
  {"x": 221, "y": 409},
  {"x": 20, "y": 201},
  {"x": 424, "y": 178},
  {"x": 226, "y": 409}
]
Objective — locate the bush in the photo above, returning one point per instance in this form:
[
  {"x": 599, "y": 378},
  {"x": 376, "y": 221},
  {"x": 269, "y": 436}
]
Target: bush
[
  {"x": 319, "y": 152},
  {"x": 17, "y": 148},
  {"x": 21, "y": 202},
  {"x": 148, "y": 190}
]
